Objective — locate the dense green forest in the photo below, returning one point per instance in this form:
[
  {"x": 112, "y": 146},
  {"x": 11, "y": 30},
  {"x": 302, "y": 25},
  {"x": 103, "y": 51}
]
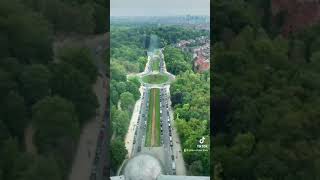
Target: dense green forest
[
  {"x": 73, "y": 16},
  {"x": 53, "y": 94},
  {"x": 265, "y": 96}
]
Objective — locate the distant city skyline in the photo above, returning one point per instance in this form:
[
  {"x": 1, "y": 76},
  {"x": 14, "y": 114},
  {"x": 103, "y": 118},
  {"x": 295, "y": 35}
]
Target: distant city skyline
[{"x": 159, "y": 7}]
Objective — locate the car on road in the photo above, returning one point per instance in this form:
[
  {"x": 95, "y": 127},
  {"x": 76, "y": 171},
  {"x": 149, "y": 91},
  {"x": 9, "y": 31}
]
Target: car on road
[
  {"x": 169, "y": 125},
  {"x": 168, "y": 120},
  {"x": 104, "y": 171},
  {"x": 171, "y": 144},
  {"x": 172, "y": 157},
  {"x": 134, "y": 140},
  {"x": 94, "y": 170},
  {"x": 139, "y": 148},
  {"x": 93, "y": 176},
  {"x": 96, "y": 159},
  {"x": 173, "y": 166},
  {"x": 101, "y": 134},
  {"x": 170, "y": 138}
]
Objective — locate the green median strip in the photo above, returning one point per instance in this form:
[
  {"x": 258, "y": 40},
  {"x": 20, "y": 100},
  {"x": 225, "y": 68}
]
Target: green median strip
[{"x": 153, "y": 92}]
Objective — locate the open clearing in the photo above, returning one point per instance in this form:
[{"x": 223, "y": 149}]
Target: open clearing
[{"x": 153, "y": 129}]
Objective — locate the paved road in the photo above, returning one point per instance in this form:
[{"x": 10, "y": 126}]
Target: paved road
[
  {"x": 91, "y": 159},
  {"x": 140, "y": 133},
  {"x": 168, "y": 141},
  {"x": 167, "y": 130}
]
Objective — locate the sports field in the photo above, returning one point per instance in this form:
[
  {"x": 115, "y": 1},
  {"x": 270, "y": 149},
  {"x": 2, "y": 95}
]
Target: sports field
[{"x": 153, "y": 128}]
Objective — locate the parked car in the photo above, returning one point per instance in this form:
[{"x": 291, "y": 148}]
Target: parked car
[
  {"x": 104, "y": 171},
  {"x": 93, "y": 176},
  {"x": 173, "y": 165}
]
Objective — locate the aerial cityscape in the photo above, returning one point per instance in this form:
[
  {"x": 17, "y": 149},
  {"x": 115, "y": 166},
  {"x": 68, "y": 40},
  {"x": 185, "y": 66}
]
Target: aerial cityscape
[
  {"x": 159, "y": 89},
  {"x": 159, "y": 66}
]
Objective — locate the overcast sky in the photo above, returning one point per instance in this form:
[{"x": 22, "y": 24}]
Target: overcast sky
[{"x": 159, "y": 7}]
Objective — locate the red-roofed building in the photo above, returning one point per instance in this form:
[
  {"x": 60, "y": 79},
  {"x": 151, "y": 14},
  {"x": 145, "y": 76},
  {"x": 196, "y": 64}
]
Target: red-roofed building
[{"x": 201, "y": 64}]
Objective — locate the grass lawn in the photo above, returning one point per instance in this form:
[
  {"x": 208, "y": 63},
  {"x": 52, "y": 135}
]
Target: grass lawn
[
  {"x": 157, "y": 129},
  {"x": 155, "y": 65},
  {"x": 153, "y": 102},
  {"x": 155, "y": 79}
]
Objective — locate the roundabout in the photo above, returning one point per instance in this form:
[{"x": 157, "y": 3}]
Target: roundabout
[{"x": 155, "y": 78}]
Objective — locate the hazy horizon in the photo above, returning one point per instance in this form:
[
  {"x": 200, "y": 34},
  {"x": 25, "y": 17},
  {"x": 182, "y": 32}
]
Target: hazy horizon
[
  {"x": 160, "y": 16},
  {"x": 159, "y": 8}
]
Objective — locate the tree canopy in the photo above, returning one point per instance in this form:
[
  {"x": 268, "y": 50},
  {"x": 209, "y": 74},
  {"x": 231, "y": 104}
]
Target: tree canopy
[
  {"x": 52, "y": 91},
  {"x": 264, "y": 99}
]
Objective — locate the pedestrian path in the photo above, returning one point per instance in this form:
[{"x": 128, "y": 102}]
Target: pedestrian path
[{"x": 84, "y": 157}]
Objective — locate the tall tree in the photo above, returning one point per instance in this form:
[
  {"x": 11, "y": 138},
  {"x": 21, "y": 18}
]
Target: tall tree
[{"x": 35, "y": 82}]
